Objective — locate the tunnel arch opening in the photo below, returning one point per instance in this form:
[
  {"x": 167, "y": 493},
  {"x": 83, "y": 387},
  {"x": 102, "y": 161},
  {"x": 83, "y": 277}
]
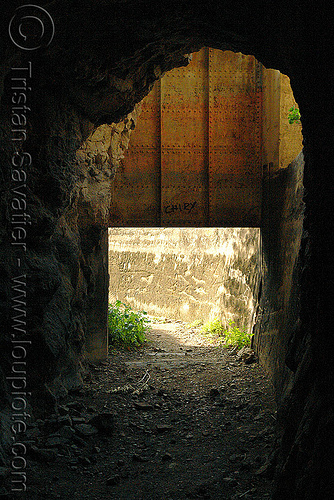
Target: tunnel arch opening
[{"x": 138, "y": 190}]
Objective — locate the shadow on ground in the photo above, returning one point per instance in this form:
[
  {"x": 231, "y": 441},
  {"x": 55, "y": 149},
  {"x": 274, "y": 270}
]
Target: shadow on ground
[{"x": 176, "y": 419}]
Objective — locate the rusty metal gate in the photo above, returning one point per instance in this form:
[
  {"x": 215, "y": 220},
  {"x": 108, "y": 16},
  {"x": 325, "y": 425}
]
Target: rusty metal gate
[{"x": 195, "y": 156}]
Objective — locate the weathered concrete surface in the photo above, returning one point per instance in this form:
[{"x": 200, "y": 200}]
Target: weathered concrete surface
[
  {"x": 187, "y": 273},
  {"x": 282, "y": 141},
  {"x": 290, "y": 135}
]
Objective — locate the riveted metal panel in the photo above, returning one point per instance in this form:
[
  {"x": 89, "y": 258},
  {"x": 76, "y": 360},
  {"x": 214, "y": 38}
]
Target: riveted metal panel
[
  {"x": 195, "y": 155},
  {"x": 234, "y": 139},
  {"x": 136, "y": 188},
  {"x": 184, "y": 144}
]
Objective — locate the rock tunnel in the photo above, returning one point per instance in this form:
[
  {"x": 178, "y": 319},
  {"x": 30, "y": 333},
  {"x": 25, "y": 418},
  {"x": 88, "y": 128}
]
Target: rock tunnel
[{"x": 89, "y": 67}]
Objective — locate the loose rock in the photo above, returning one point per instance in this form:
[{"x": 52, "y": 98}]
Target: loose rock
[
  {"x": 138, "y": 458},
  {"x": 65, "y": 420},
  {"x": 42, "y": 454},
  {"x": 161, "y": 428},
  {"x": 85, "y": 430},
  {"x": 54, "y": 441},
  {"x": 143, "y": 406},
  {"x": 230, "y": 480},
  {"x": 104, "y": 422},
  {"x": 246, "y": 355},
  {"x": 114, "y": 480},
  {"x": 67, "y": 432},
  {"x": 214, "y": 393}
]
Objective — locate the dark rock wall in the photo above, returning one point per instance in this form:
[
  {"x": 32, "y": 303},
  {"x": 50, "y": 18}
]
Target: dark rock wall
[
  {"x": 279, "y": 307},
  {"x": 103, "y": 59}
]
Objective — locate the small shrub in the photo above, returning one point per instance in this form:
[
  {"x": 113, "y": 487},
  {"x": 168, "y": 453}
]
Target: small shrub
[
  {"x": 233, "y": 336},
  {"x": 125, "y": 326},
  {"x": 236, "y": 337},
  {"x": 294, "y": 115},
  {"x": 195, "y": 324},
  {"x": 214, "y": 327}
]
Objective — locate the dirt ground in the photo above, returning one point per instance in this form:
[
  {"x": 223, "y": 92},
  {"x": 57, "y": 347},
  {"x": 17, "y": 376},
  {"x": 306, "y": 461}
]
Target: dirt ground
[{"x": 180, "y": 418}]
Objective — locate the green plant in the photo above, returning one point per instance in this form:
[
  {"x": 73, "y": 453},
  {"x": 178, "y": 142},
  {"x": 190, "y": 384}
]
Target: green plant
[
  {"x": 294, "y": 115},
  {"x": 195, "y": 324},
  {"x": 236, "y": 337},
  {"x": 231, "y": 336},
  {"x": 125, "y": 326},
  {"x": 214, "y": 327}
]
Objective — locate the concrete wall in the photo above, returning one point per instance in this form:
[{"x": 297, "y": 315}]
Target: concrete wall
[
  {"x": 291, "y": 137},
  {"x": 282, "y": 142},
  {"x": 185, "y": 273}
]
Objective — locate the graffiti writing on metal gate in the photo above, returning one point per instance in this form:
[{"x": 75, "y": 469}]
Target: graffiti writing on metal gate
[{"x": 180, "y": 207}]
